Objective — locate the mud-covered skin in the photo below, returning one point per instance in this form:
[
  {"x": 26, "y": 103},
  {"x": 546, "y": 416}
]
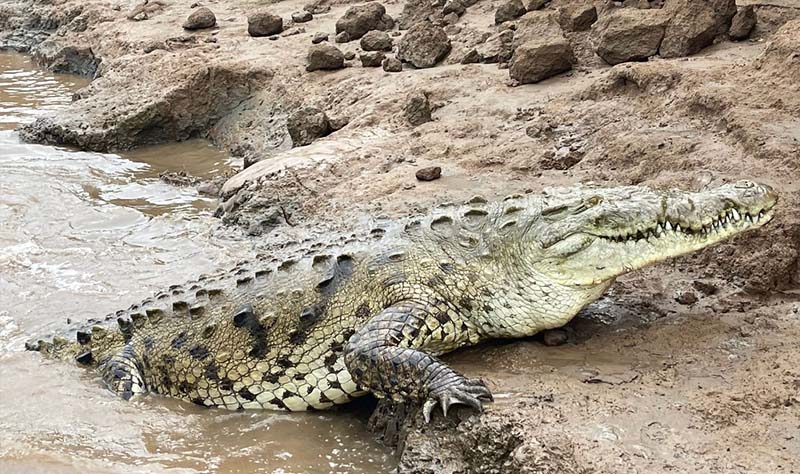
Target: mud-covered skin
[{"x": 371, "y": 315}]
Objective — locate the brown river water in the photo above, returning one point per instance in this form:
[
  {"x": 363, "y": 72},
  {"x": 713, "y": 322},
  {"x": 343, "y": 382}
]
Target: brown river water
[{"x": 84, "y": 234}]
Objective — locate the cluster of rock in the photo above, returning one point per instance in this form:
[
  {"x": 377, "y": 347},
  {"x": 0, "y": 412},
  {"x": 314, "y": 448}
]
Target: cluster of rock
[
  {"x": 681, "y": 28},
  {"x": 533, "y": 41}
]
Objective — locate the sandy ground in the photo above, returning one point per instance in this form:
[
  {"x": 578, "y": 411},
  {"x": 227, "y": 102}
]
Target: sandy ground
[{"x": 645, "y": 383}]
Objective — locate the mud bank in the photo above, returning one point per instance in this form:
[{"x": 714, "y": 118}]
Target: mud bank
[{"x": 678, "y": 369}]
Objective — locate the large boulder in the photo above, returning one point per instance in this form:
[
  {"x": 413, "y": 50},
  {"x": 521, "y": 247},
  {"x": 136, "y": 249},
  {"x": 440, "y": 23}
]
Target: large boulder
[
  {"x": 694, "y": 25},
  {"x": 629, "y": 34},
  {"x": 360, "y": 19},
  {"x": 376, "y": 40},
  {"x": 324, "y": 56},
  {"x": 508, "y": 11},
  {"x": 200, "y": 19},
  {"x": 424, "y": 45},
  {"x": 306, "y": 125},
  {"x": 264, "y": 23},
  {"x": 578, "y": 17},
  {"x": 743, "y": 23},
  {"x": 540, "y": 49}
]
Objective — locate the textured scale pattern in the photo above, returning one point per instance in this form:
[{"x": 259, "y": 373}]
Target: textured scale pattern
[{"x": 372, "y": 314}]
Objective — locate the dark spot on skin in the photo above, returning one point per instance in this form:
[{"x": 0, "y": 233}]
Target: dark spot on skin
[
  {"x": 298, "y": 338},
  {"x": 83, "y": 337},
  {"x": 212, "y": 371},
  {"x": 331, "y": 359},
  {"x": 244, "y": 281},
  {"x": 198, "y": 401},
  {"x": 278, "y": 403},
  {"x": 166, "y": 383},
  {"x": 180, "y": 340},
  {"x": 320, "y": 259},
  {"x": 270, "y": 378},
  {"x": 377, "y": 233},
  {"x": 84, "y": 358},
  {"x": 358, "y": 372},
  {"x": 197, "y": 310},
  {"x": 363, "y": 311},
  {"x": 245, "y": 317},
  {"x": 286, "y": 265},
  {"x": 442, "y": 317},
  {"x": 149, "y": 343},
  {"x": 309, "y": 389},
  {"x": 226, "y": 384},
  {"x": 335, "y": 384},
  {"x": 299, "y": 376},
  {"x": 168, "y": 360},
  {"x": 466, "y": 303},
  {"x": 201, "y": 294},
  {"x": 324, "y": 286},
  {"x": 184, "y": 387},
  {"x": 324, "y": 398},
  {"x": 198, "y": 352},
  {"x": 209, "y": 330},
  {"x": 508, "y": 225},
  {"x": 246, "y": 394},
  {"x": 283, "y": 361},
  {"x": 180, "y": 306},
  {"x": 154, "y": 314},
  {"x": 288, "y": 394},
  {"x": 214, "y": 292},
  {"x": 435, "y": 280},
  {"x": 446, "y": 267}
]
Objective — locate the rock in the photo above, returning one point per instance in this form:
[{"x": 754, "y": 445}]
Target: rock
[
  {"x": 316, "y": 8},
  {"x": 57, "y": 57},
  {"x": 454, "y": 6},
  {"x": 349, "y": 55},
  {"x": 497, "y": 47},
  {"x": 208, "y": 188},
  {"x": 372, "y": 58},
  {"x": 319, "y": 37},
  {"x": 451, "y": 18},
  {"x": 302, "y": 17},
  {"x": 424, "y": 45},
  {"x": 392, "y": 64},
  {"x": 694, "y": 25},
  {"x": 324, "y": 56},
  {"x": 376, "y": 40},
  {"x": 415, "y": 11},
  {"x": 338, "y": 123},
  {"x": 306, "y": 125},
  {"x": 200, "y": 19},
  {"x": 629, "y": 35},
  {"x": 417, "y": 111},
  {"x": 707, "y": 289},
  {"x": 686, "y": 298},
  {"x": 540, "y": 49},
  {"x": 577, "y": 17},
  {"x": 555, "y": 337},
  {"x": 264, "y": 23},
  {"x": 471, "y": 57},
  {"x": 742, "y": 23},
  {"x": 429, "y": 174},
  {"x": 532, "y": 5},
  {"x": 343, "y": 37},
  {"x": 508, "y": 11},
  {"x": 360, "y": 19}
]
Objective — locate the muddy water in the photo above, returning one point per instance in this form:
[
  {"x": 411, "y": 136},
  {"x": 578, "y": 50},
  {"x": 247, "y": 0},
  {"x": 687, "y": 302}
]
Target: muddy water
[{"x": 82, "y": 234}]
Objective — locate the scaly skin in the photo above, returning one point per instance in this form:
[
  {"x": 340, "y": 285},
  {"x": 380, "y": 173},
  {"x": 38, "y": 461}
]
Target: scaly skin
[{"x": 372, "y": 316}]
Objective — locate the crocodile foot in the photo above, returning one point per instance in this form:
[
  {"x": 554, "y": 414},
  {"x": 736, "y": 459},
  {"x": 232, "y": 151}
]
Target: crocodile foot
[{"x": 463, "y": 391}]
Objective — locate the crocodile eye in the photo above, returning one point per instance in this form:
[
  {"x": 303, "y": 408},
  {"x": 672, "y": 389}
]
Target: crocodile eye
[{"x": 594, "y": 200}]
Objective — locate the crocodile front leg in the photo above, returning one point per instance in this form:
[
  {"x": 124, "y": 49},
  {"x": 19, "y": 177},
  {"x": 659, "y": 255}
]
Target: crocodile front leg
[
  {"x": 388, "y": 356},
  {"x": 122, "y": 374}
]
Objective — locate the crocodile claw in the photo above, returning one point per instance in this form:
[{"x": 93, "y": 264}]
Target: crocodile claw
[{"x": 464, "y": 392}]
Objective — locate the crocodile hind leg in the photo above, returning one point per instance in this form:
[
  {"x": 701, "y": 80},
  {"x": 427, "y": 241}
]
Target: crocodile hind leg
[
  {"x": 387, "y": 355},
  {"x": 122, "y": 374}
]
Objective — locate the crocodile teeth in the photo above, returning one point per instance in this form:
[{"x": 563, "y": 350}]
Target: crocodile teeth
[
  {"x": 677, "y": 227},
  {"x": 736, "y": 215},
  {"x": 668, "y": 226}
]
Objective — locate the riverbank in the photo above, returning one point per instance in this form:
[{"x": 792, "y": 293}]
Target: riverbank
[{"x": 679, "y": 368}]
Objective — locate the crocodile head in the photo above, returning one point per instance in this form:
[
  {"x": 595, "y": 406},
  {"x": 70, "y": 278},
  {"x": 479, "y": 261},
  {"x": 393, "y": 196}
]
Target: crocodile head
[{"x": 589, "y": 236}]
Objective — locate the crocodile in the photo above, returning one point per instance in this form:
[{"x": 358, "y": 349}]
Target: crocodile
[{"x": 339, "y": 320}]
